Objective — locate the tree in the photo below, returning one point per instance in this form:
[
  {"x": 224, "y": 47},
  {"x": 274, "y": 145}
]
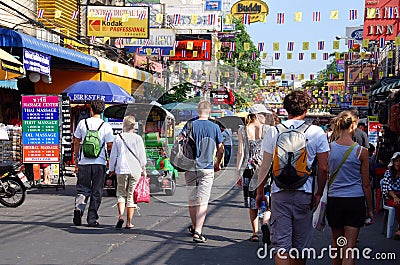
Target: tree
[{"x": 178, "y": 93}]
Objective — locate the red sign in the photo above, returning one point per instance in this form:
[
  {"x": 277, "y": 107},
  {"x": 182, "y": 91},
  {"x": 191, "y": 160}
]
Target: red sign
[
  {"x": 381, "y": 20},
  {"x": 202, "y": 47}
]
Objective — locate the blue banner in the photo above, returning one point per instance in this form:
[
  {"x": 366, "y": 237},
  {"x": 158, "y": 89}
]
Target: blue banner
[
  {"x": 40, "y": 138},
  {"x": 155, "y": 50},
  {"x": 40, "y": 114},
  {"x": 37, "y": 62}
]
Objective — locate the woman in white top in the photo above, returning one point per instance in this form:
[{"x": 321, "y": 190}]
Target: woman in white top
[{"x": 128, "y": 161}]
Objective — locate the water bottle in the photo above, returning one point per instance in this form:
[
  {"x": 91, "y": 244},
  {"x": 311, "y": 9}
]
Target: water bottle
[{"x": 263, "y": 208}]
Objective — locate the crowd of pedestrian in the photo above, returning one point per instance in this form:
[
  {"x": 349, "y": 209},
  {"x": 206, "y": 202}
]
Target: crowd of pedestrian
[{"x": 336, "y": 158}]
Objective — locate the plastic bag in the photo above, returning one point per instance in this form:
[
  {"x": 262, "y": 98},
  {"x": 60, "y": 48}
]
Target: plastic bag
[
  {"x": 142, "y": 190},
  {"x": 319, "y": 215}
]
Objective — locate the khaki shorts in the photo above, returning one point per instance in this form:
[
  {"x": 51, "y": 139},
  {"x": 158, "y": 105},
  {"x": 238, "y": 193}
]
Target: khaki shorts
[
  {"x": 125, "y": 188},
  {"x": 199, "y": 184}
]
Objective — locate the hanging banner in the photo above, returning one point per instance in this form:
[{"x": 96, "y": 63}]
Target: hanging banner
[
  {"x": 202, "y": 47},
  {"x": 119, "y": 22},
  {"x": 374, "y": 127},
  {"x": 161, "y": 42},
  {"x": 37, "y": 62},
  {"x": 360, "y": 101},
  {"x": 40, "y": 129}
]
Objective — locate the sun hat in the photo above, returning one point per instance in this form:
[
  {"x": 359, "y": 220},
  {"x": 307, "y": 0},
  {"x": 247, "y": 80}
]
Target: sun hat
[
  {"x": 259, "y": 108},
  {"x": 395, "y": 155}
]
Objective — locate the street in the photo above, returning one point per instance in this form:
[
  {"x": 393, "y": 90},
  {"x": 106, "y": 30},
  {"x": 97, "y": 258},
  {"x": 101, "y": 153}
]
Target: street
[{"x": 41, "y": 232}]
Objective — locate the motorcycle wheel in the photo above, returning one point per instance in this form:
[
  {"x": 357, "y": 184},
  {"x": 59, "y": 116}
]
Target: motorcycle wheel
[{"x": 15, "y": 192}]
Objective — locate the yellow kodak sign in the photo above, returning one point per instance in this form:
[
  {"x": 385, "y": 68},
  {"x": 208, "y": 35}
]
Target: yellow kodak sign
[
  {"x": 118, "y": 22},
  {"x": 256, "y": 9}
]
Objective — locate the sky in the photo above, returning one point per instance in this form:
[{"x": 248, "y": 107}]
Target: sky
[{"x": 305, "y": 31}]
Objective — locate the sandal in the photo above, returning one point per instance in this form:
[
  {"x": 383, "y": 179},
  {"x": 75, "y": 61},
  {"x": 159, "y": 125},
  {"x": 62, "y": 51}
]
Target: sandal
[
  {"x": 199, "y": 238},
  {"x": 266, "y": 234},
  {"x": 191, "y": 229},
  {"x": 119, "y": 223},
  {"x": 254, "y": 238}
]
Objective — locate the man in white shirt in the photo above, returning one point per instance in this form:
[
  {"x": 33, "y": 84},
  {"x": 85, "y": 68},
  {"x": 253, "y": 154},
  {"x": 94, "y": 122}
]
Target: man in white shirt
[
  {"x": 291, "y": 212},
  {"x": 91, "y": 171}
]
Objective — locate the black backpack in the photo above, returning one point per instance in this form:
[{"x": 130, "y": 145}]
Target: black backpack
[{"x": 183, "y": 152}]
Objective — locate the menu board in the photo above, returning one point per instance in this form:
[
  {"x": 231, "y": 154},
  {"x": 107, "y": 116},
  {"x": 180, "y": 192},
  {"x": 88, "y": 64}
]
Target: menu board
[{"x": 40, "y": 129}]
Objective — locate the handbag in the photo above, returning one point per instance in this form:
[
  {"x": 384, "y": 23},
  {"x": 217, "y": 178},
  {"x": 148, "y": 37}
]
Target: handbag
[
  {"x": 319, "y": 215},
  {"x": 142, "y": 189}
]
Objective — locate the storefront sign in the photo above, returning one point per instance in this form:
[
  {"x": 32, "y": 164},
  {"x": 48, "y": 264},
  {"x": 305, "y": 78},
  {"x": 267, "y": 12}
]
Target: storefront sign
[
  {"x": 161, "y": 42},
  {"x": 40, "y": 129},
  {"x": 182, "y": 19},
  {"x": 335, "y": 86},
  {"x": 355, "y": 33},
  {"x": 213, "y": 5},
  {"x": 37, "y": 62},
  {"x": 360, "y": 101},
  {"x": 256, "y": 9},
  {"x": 374, "y": 127},
  {"x": 381, "y": 20},
  {"x": 201, "y": 51},
  {"x": 120, "y": 22}
]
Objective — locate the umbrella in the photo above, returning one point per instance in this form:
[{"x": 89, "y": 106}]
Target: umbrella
[
  {"x": 89, "y": 90},
  {"x": 141, "y": 111},
  {"x": 180, "y": 106},
  {"x": 10, "y": 67}
]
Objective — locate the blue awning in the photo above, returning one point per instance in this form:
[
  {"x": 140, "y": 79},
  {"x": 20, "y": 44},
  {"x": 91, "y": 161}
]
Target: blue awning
[{"x": 11, "y": 38}]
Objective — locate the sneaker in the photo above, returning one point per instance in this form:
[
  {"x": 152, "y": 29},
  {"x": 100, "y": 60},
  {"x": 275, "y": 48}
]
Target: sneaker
[{"x": 77, "y": 217}]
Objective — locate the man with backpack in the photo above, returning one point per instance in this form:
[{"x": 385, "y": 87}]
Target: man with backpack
[
  {"x": 93, "y": 140},
  {"x": 290, "y": 149},
  {"x": 199, "y": 179}
]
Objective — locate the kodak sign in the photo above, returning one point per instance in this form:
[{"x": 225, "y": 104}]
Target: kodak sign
[{"x": 252, "y": 10}]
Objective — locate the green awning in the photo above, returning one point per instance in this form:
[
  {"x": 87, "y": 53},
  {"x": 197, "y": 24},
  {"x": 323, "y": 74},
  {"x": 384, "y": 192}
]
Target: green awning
[{"x": 393, "y": 87}]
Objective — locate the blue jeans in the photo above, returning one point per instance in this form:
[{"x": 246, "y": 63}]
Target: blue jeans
[{"x": 227, "y": 154}]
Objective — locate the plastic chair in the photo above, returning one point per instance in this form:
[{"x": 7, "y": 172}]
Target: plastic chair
[
  {"x": 388, "y": 217},
  {"x": 379, "y": 172}
]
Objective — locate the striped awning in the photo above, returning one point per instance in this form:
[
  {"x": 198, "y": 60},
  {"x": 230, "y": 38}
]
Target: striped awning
[{"x": 393, "y": 87}]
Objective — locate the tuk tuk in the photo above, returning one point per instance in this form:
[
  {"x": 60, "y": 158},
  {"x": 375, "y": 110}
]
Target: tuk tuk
[{"x": 156, "y": 126}]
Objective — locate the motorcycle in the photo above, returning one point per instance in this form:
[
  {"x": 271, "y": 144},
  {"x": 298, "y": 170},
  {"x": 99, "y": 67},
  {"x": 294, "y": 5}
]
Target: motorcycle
[{"x": 13, "y": 185}]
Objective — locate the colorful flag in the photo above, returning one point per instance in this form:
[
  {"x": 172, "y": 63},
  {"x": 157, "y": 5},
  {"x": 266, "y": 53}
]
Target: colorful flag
[
  {"x": 177, "y": 19},
  {"x": 204, "y": 46},
  {"x": 350, "y": 44},
  {"x": 325, "y": 56},
  {"x": 289, "y": 56},
  {"x": 316, "y": 16},
  {"x": 350, "y": 56},
  {"x": 275, "y": 46},
  {"x": 159, "y": 18},
  {"x": 172, "y": 53},
  {"x": 290, "y": 46},
  {"x": 298, "y": 16},
  {"x": 300, "y": 76},
  {"x": 228, "y": 19},
  {"x": 74, "y": 15},
  {"x": 229, "y": 55},
  {"x": 365, "y": 43},
  {"x": 183, "y": 54},
  {"x": 277, "y": 55},
  {"x": 119, "y": 42},
  {"x": 246, "y": 46},
  {"x": 371, "y": 75},
  {"x": 40, "y": 13},
  {"x": 125, "y": 17},
  {"x": 331, "y": 77},
  {"x": 376, "y": 55},
  {"x": 389, "y": 12},
  {"x": 306, "y": 46},
  {"x": 313, "y": 56},
  {"x": 311, "y": 76},
  {"x": 336, "y": 44},
  {"x": 390, "y": 54},
  {"x": 193, "y": 19},
  {"x": 254, "y": 76},
  {"x": 92, "y": 39},
  {"x": 108, "y": 16},
  {"x": 334, "y": 14},
  {"x": 189, "y": 45},
  {"x": 321, "y": 45},
  {"x": 260, "y": 46},
  {"x": 211, "y": 19},
  {"x": 292, "y": 76},
  {"x": 264, "y": 55},
  {"x": 397, "y": 41},
  {"x": 353, "y": 14},
  {"x": 371, "y": 12},
  {"x": 273, "y": 76},
  {"x": 176, "y": 43},
  {"x": 57, "y": 14},
  {"x": 194, "y": 54},
  {"x": 142, "y": 16},
  {"x": 280, "y": 18},
  {"x": 253, "y": 55},
  {"x": 246, "y": 19},
  {"x": 232, "y": 47},
  {"x": 381, "y": 42},
  {"x": 207, "y": 55},
  {"x": 301, "y": 56}
]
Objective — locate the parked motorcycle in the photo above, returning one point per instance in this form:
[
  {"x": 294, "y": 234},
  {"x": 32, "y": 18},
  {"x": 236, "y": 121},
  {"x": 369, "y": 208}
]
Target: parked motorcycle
[{"x": 13, "y": 185}]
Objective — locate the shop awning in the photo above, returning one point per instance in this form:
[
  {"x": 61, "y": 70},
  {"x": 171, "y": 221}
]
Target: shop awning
[
  {"x": 387, "y": 88},
  {"x": 11, "y": 38},
  {"x": 123, "y": 70},
  {"x": 9, "y": 66}
]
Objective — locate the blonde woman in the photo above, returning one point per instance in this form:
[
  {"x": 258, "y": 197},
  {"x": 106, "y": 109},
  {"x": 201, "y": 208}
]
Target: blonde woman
[
  {"x": 250, "y": 139},
  {"x": 128, "y": 161},
  {"x": 350, "y": 191}
]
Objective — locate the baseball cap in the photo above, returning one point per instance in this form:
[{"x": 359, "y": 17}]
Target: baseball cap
[
  {"x": 258, "y": 108},
  {"x": 395, "y": 155}
]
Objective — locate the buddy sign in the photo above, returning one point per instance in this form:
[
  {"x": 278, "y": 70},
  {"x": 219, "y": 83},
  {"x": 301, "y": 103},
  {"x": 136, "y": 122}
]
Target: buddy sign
[
  {"x": 119, "y": 22},
  {"x": 256, "y": 9}
]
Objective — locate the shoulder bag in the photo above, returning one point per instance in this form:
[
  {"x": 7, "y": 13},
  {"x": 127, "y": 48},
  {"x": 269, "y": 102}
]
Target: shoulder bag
[{"x": 319, "y": 220}]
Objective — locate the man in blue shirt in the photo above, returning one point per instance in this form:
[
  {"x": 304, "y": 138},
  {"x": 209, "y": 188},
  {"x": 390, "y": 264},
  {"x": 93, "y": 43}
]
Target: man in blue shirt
[{"x": 208, "y": 137}]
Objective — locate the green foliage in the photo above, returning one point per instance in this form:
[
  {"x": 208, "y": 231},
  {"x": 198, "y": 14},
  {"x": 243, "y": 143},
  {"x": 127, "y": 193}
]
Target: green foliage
[{"x": 178, "y": 93}]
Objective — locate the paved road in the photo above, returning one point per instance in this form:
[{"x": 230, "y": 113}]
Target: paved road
[{"x": 41, "y": 232}]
